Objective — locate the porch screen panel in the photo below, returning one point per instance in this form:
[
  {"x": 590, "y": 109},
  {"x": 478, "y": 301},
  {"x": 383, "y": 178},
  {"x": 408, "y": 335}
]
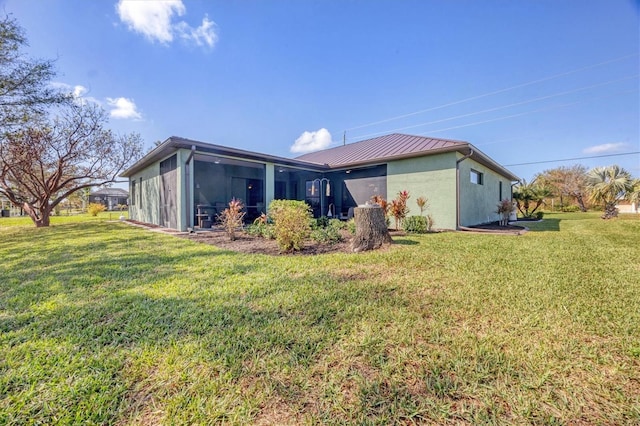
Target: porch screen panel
[
  {"x": 361, "y": 190},
  {"x": 168, "y": 190}
]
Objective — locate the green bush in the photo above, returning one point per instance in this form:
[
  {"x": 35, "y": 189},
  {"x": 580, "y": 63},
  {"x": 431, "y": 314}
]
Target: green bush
[
  {"x": 292, "y": 223},
  {"x": 570, "y": 209},
  {"x": 337, "y": 224},
  {"x": 264, "y": 230},
  {"x": 94, "y": 208},
  {"x": 326, "y": 235},
  {"x": 415, "y": 224},
  {"x": 351, "y": 225},
  {"x": 539, "y": 215},
  {"x": 321, "y": 222}
]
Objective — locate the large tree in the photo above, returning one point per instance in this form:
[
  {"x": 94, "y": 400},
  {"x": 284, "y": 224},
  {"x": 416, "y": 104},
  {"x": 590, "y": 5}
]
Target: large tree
[
  {"x": 566, "y": 182},
  {"x": 25, "y": 88},
  {"x": 607, "y": 186},
  {"x": 46, "y": 161}
]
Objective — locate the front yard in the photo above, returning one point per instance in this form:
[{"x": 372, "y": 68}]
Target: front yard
[{"x": 105, "y": 323}]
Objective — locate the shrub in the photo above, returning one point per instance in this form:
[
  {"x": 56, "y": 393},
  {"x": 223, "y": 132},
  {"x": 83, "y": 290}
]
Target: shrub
[
  {"x": 351, "y": 226},
  {"x": 538, "y": 215},
  {"x": 259, "y": 229},
  {"x": 505, "y": 208},
  {"x": 231, "y": 218},
  {"x": 326, "y": 235},
  {"x": 94, "y": 208},
  {"x": 292, "y": 223},
  {"x": 422, "y": 203},
  {"x": 399, "y": 208},
  {"x": 570, "y": 209},
  {"x": 379, "y": 200},
  {"x": 337, "y": 224},
  {"x": 321, "y": 222},
  {"x": 415, "y": 224}
]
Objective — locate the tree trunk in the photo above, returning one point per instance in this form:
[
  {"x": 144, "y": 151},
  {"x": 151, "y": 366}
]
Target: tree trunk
[
  {"x": 610, "y": 211},
  {"x": 371, "y": 229}
]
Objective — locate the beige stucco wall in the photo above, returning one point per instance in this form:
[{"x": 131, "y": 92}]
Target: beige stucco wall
[{"x": 433, "y": 177}]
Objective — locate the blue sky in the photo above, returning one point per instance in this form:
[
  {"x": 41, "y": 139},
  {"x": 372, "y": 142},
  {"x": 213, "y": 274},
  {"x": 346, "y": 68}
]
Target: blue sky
[{"x": 525, "y": 81}]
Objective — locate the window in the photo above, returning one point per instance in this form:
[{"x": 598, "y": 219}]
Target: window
[
  {"x": 500, "y": 191},
  {"x": 476, "y": 177},
  {"x": 140, "y": 192},
  {"x": 133, "y": 193}
]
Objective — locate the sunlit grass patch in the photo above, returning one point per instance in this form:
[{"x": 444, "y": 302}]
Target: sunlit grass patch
[{"x": 101, "y": 322}]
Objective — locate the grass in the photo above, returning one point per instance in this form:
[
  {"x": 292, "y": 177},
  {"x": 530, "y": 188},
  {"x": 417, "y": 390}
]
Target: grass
[{"x": 102, "y": 323}]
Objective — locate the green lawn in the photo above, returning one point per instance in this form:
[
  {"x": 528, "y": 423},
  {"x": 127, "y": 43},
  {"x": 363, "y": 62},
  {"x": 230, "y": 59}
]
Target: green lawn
[{"x": 103, "y": 323}]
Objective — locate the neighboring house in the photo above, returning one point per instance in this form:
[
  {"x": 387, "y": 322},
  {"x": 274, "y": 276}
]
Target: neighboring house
[
  {"x": 110, "y": 197},
  {"x": 625, "y": 206},
  {"x": 184, "y": 183}
]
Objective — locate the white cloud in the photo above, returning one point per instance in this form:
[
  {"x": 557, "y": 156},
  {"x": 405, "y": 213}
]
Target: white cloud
[
  {"x": 154, "y": 20},
  {"x": 123, "y": 108},
  {"x": 312, "y": 141},
  {"x": 78, "y": 92},
  {"x": 606, "y": 148}
]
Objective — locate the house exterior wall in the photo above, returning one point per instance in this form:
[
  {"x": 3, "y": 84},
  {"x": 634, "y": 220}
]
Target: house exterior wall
[
  {"x": 479, "y": 202},
  {"x": 433, "y": 177}
]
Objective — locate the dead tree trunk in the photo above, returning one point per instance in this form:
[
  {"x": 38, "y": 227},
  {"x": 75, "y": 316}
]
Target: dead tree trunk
[{"x": 371, "y": 228}]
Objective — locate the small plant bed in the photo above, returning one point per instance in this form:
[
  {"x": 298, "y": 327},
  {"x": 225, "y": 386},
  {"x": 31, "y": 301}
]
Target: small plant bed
[
  {"x": 246, "y": 243},
  {"x": 252, "y": 244}
]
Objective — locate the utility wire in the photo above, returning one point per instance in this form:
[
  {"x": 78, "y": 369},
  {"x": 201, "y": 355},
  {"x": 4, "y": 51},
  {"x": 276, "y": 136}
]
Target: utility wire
[
  {"x": 484, "y": 95},
  {"x": 573, "y": 159},
  {"x": 528, "y": 101},
  {"x": 525, "y": 113}
]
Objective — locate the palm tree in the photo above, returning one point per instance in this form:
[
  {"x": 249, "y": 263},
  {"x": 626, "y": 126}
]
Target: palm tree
[
  {"x": 607, "y": 186},
  {"x": 527, "y": 193},
  {"x": 634, "y": 194}
]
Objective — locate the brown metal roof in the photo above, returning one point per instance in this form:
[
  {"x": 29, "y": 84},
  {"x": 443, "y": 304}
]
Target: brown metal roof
[{"x": 381, "y": 148}]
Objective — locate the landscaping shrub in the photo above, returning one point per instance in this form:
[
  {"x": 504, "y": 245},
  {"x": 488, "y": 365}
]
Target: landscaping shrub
[
  {"x": 539, "y": 215},
  {"x": 259, "y": 229},
  {"x": 570, "y": 209},
  {"x": 292, "y": 223},
  {"x": 326, "y": 235},
  {"x": 422, "y": 203},
  {"x": 231, "y": 218},
  {"x": 337, "y": 224},
  {"x": 327, "y": 231},
  {"x": 94, "y": 208},
  {"x": 321, "y": 222},
  {"x": 415, "y": 224},
  {"x": 351, "y": 226},
  {"x": 399, "y": 208}
]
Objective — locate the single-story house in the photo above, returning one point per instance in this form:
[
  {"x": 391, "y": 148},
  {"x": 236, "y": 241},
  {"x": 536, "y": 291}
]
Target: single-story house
[
  {"x": 184, "y": 183},
  {"x": 626, "y": 206},
  {"x": 111, "y": 198}
]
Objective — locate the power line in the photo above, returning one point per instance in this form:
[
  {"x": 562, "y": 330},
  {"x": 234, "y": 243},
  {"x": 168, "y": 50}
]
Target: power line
[
  {"x": 573, "y": 159},
  {"x": 529, "y": 83},
  {"x": 528, "y": 101},
  {"x": 525, "y": 113}
]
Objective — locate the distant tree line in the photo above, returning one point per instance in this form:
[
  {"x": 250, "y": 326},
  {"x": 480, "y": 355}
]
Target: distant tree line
[{"x": 601, "y": 187}]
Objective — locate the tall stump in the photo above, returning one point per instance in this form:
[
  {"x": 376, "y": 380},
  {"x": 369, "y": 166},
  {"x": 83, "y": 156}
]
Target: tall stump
[{"x": 371, "y": 228}]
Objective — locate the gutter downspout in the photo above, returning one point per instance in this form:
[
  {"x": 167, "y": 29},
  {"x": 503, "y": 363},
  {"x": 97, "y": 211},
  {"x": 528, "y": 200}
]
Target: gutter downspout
[
  {"x": 458, "y": 227},
  {"x": 187, "y": 188}
]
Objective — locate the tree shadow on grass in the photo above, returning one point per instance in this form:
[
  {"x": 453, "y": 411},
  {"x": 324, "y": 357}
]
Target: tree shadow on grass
[
  {"x": 545, "y": 225},
  {"x": 403, "y": 242}
]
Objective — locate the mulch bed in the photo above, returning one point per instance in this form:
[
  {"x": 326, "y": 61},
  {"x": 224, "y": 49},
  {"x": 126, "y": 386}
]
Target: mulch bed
[{"x": 245, "y": 243}]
